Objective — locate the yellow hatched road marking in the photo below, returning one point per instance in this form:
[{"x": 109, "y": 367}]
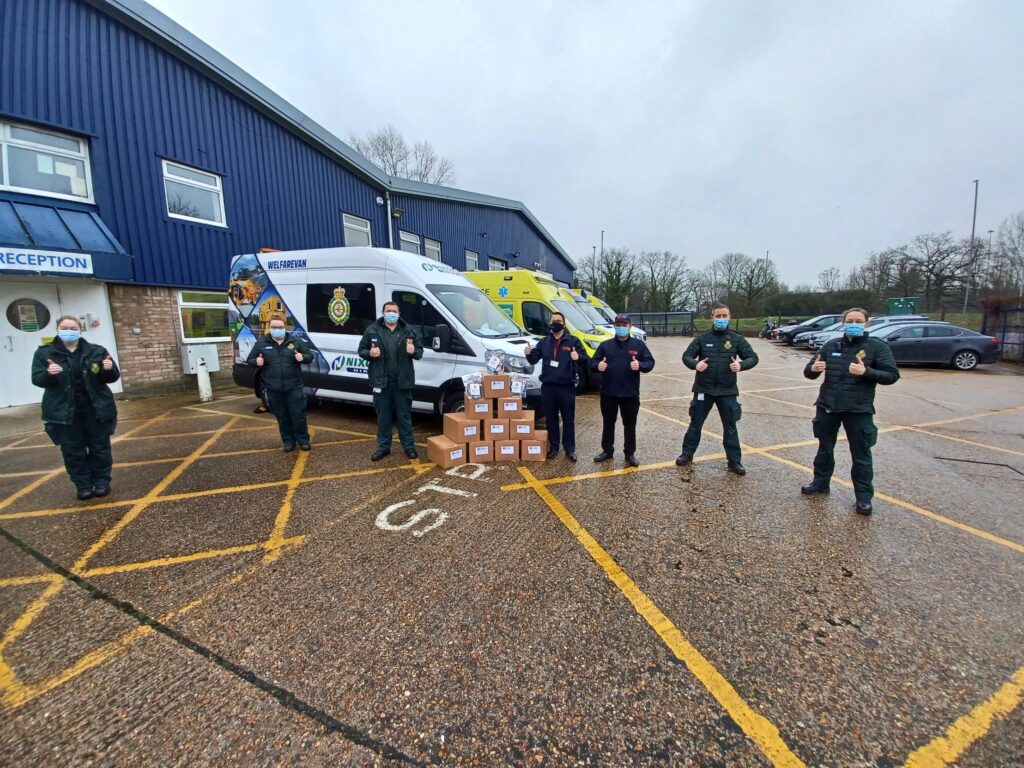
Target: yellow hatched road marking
[
  {"x": 263, "y": 419},
  {"x": 757, "y": 727},
  {"x": 944, "y": 750},
  {"x": 277, "y": 540}
]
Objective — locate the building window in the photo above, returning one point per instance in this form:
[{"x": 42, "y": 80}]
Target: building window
[
  {"x": 357, "y": 231},
  {"x": 431, "y": 249},
  {"x": 193, "y": 195},
  {"x": 204, "y": 316},
  {"x": 472, "y": 260},
  {"x": 42, "y": 162},
  {"x": 496, "y": 265},
  {"x": 407, "y": 241}
]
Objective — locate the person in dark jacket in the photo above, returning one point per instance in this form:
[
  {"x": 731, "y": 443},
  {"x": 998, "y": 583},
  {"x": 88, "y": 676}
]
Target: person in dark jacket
[
  {"x": 280, "y": 356},
  {"x": 78, "y": 406},
  {"x": 853, "y": 365},
  {"x": 390, "y": 345},
  {"x": 558, "y": 354},
  {"x": 717, "y": 355},
  {"x": 621, "y": 361}
]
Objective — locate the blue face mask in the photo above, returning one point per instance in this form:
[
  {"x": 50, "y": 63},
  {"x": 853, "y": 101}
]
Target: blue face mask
[
  {"x": 853, "y": 330},
  {"x": 391, "y": 317},
  {"x": 621, "y": 331},
  {"x": 69, "y": 336},
  {"x": 720, "y": 323},
  {"x": 277, "y": 333}
]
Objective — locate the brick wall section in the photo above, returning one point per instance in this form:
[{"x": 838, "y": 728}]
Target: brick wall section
[{"x": 151, "y": 361}]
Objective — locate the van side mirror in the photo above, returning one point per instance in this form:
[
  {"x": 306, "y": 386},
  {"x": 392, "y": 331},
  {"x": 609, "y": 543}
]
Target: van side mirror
[{"x": 442, "y": 338}]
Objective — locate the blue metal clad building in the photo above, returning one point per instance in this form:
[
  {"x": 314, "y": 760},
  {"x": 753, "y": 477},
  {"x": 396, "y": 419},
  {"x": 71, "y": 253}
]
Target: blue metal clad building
[{"x": 98, "y": 96}]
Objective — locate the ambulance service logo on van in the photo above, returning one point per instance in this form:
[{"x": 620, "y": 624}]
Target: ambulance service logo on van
[{"x": 339, "y": 309}]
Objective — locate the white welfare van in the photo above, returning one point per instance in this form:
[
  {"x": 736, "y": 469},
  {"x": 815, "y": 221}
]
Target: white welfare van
[{"x": 331, "y": 295}]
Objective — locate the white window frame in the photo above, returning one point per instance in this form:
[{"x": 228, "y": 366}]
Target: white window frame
[
  {"x": 476, "y": 260},
  {"x": 410, "y": 237},
  {"x": 218, "y": 189},
  {"x": 356, "y": 223},
  {"x": 182, "y": 304},
  {"x": 427, "y": 243},
  {"x": 496, "y": 265},
  {"x": 83, "y": 156}
]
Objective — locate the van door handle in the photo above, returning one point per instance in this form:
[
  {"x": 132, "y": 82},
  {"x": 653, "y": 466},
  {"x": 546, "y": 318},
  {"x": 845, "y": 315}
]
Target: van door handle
[{"x": 9, "y": 346}]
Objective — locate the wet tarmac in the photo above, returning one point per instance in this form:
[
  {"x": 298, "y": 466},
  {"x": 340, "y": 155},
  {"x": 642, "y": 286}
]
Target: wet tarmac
[{"x": 230, "y": 604}]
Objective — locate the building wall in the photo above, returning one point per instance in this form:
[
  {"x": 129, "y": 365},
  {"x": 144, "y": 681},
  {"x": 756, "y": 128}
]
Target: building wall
[{"x": 150, "y": 360}]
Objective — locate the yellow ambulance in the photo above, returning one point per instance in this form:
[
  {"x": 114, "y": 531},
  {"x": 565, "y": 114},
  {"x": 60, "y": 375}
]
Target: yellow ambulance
[{"x": 529, "y": 298}]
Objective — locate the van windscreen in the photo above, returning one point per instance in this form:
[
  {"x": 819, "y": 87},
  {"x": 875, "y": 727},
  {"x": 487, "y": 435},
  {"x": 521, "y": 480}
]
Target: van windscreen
[{"x": 475, "y": 311}]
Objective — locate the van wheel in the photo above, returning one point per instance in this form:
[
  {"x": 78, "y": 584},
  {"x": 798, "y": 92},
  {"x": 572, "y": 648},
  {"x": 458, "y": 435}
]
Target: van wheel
[
  {"x": 454, "y": 402},
  {"x": 582, "y": 380}
]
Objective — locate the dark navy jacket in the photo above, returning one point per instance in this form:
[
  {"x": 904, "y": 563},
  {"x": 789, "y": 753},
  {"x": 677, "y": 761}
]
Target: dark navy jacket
[
  {"x": 620, "y": 380},
  {"x": 562, "y": 374}
]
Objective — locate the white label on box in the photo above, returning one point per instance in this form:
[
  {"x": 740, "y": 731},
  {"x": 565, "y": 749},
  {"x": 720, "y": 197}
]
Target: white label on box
[
  {"x": 531, "y": 449},
  {"x": 456, "y": 454},
  {"x": 497, "y": 385},
  {"x": 508, "y": 449},
  {"x": 511, "y": 406},
  {"x": 481, "y": 407},
  {"x": 523, "y": 429},
  {"x": 469, "y": 431},
  {"x": 474, "y": 389},
  {"x": 497, "y": 429},
  {"x": 482, "y": 450}
]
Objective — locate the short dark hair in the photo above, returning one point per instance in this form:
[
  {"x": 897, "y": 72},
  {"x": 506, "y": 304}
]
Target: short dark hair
[
  {"x": 720, "y": 306},
  {"x": 556, "y": 313},
  {"x": 863, "y": 311},
  {"x": 390, "y": 304}
]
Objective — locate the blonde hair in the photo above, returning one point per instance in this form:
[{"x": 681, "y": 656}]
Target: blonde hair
[
  {"x": 857, "y": 309},
  {"x": 62, "y": 318}
]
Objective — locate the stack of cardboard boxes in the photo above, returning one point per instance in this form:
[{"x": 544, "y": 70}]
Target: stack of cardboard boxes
[{"x": 493, "y": 427}]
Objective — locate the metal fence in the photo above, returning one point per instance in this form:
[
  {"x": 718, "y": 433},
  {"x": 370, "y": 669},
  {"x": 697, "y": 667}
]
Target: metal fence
[
  {"x": 1007, "y": 325},
  {"x": 664, "y": 323}
]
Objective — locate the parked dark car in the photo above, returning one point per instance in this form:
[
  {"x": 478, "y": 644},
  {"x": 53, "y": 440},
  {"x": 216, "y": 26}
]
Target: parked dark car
[
  {"x": 819, "y": 323},
  {"x": 938, "y": 343}
]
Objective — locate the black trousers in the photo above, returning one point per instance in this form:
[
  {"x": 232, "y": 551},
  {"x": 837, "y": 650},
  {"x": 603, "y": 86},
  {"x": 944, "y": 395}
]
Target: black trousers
[
  {"x": 611, "y": 406},
  {"x": 728, "y": 411},
  {"x": 85, "y": 446},
  {"x": 862, "y": 435},
  {"x": 399, "y": 401},
  {"x": 289, "y": 407},
  {"x": 560, "y": 402}
]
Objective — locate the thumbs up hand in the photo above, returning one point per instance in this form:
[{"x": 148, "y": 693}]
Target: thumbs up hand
[
  {"x": 374, "y": 349},
  {"x": 818, "y": 365},
  {"x": 734, "y": 364},
  {"x": 108, "y": 364},
  {"x": 702, "y": 365},
  {"x": 259, "y": 360},
  {"x": 634, "y": 364},
  {"x": 410, "y": 346},
  {"x": 52, "y": 368},
  {"x": 603, "y": 365},
  {"x": 298, "y": 356},
  {"x": 574, "y": 355},
  {"x": 857, "y": 367},
  {"x": 527, "y": 349}
]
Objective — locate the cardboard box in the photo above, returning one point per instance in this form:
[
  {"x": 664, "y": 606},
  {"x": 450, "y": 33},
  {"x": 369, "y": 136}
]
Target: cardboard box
[
  {"x": 496, "y": 429},
  {"x": 479, "y": 409},
  {"x": 540, "y": 435},
  {"x": 521, "y": 428},
  {"x": 444, "y": 452},
  {"x": 506, "y": 450},
  {"x": 461, "y": 427},
  {"x": 497, "y": 385},
  {"x": 509, "y": 407},
  {"x": 482, "y": 452},
  {"x": 533, "y": 450}
]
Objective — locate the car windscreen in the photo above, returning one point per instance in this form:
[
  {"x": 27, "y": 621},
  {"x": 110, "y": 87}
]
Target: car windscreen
[
  {"x": 476, "y": 311},
  {"x": 576, "y": 319}
]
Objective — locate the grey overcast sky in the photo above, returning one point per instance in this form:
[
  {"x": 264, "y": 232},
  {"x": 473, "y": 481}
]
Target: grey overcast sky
[{"x": 821, "y": 131}]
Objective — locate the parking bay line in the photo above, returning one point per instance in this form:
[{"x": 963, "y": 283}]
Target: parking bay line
[
  {"x": 944, "y": 750},
  {"x": 757, "y": 727}
]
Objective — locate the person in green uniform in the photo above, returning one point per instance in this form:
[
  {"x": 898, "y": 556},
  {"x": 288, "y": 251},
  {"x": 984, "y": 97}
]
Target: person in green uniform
[
  {"x": 279, "y": 355},
  {"x": 78, "y": 407},
  {"x": 390, "y": 345},
  {"x": 717, "y": 355},
  {"x": 853, "y": 365}
]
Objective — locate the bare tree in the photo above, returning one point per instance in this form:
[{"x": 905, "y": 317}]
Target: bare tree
[
  {"x": 1010, "y": 252},
  {"x": 757, "y": 282},
  {"x": 829, "y": 279},
  {"x": 662, "y": 281},
  {"x": 943, "y": 264},
  {"x": 387, "y": 148}
]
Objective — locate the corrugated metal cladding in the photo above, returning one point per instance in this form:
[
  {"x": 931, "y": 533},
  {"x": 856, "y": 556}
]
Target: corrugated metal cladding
[
  {"x": 490, "y": 232},
  {"x": 70, "y": 66}
]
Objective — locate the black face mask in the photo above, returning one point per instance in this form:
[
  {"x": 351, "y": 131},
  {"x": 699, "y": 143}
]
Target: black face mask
[{"x": 557, "y": 327}]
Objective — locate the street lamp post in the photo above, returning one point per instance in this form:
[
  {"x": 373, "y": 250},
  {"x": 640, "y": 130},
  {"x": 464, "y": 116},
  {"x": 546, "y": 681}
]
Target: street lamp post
[{"x": 974, "y": 219}]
